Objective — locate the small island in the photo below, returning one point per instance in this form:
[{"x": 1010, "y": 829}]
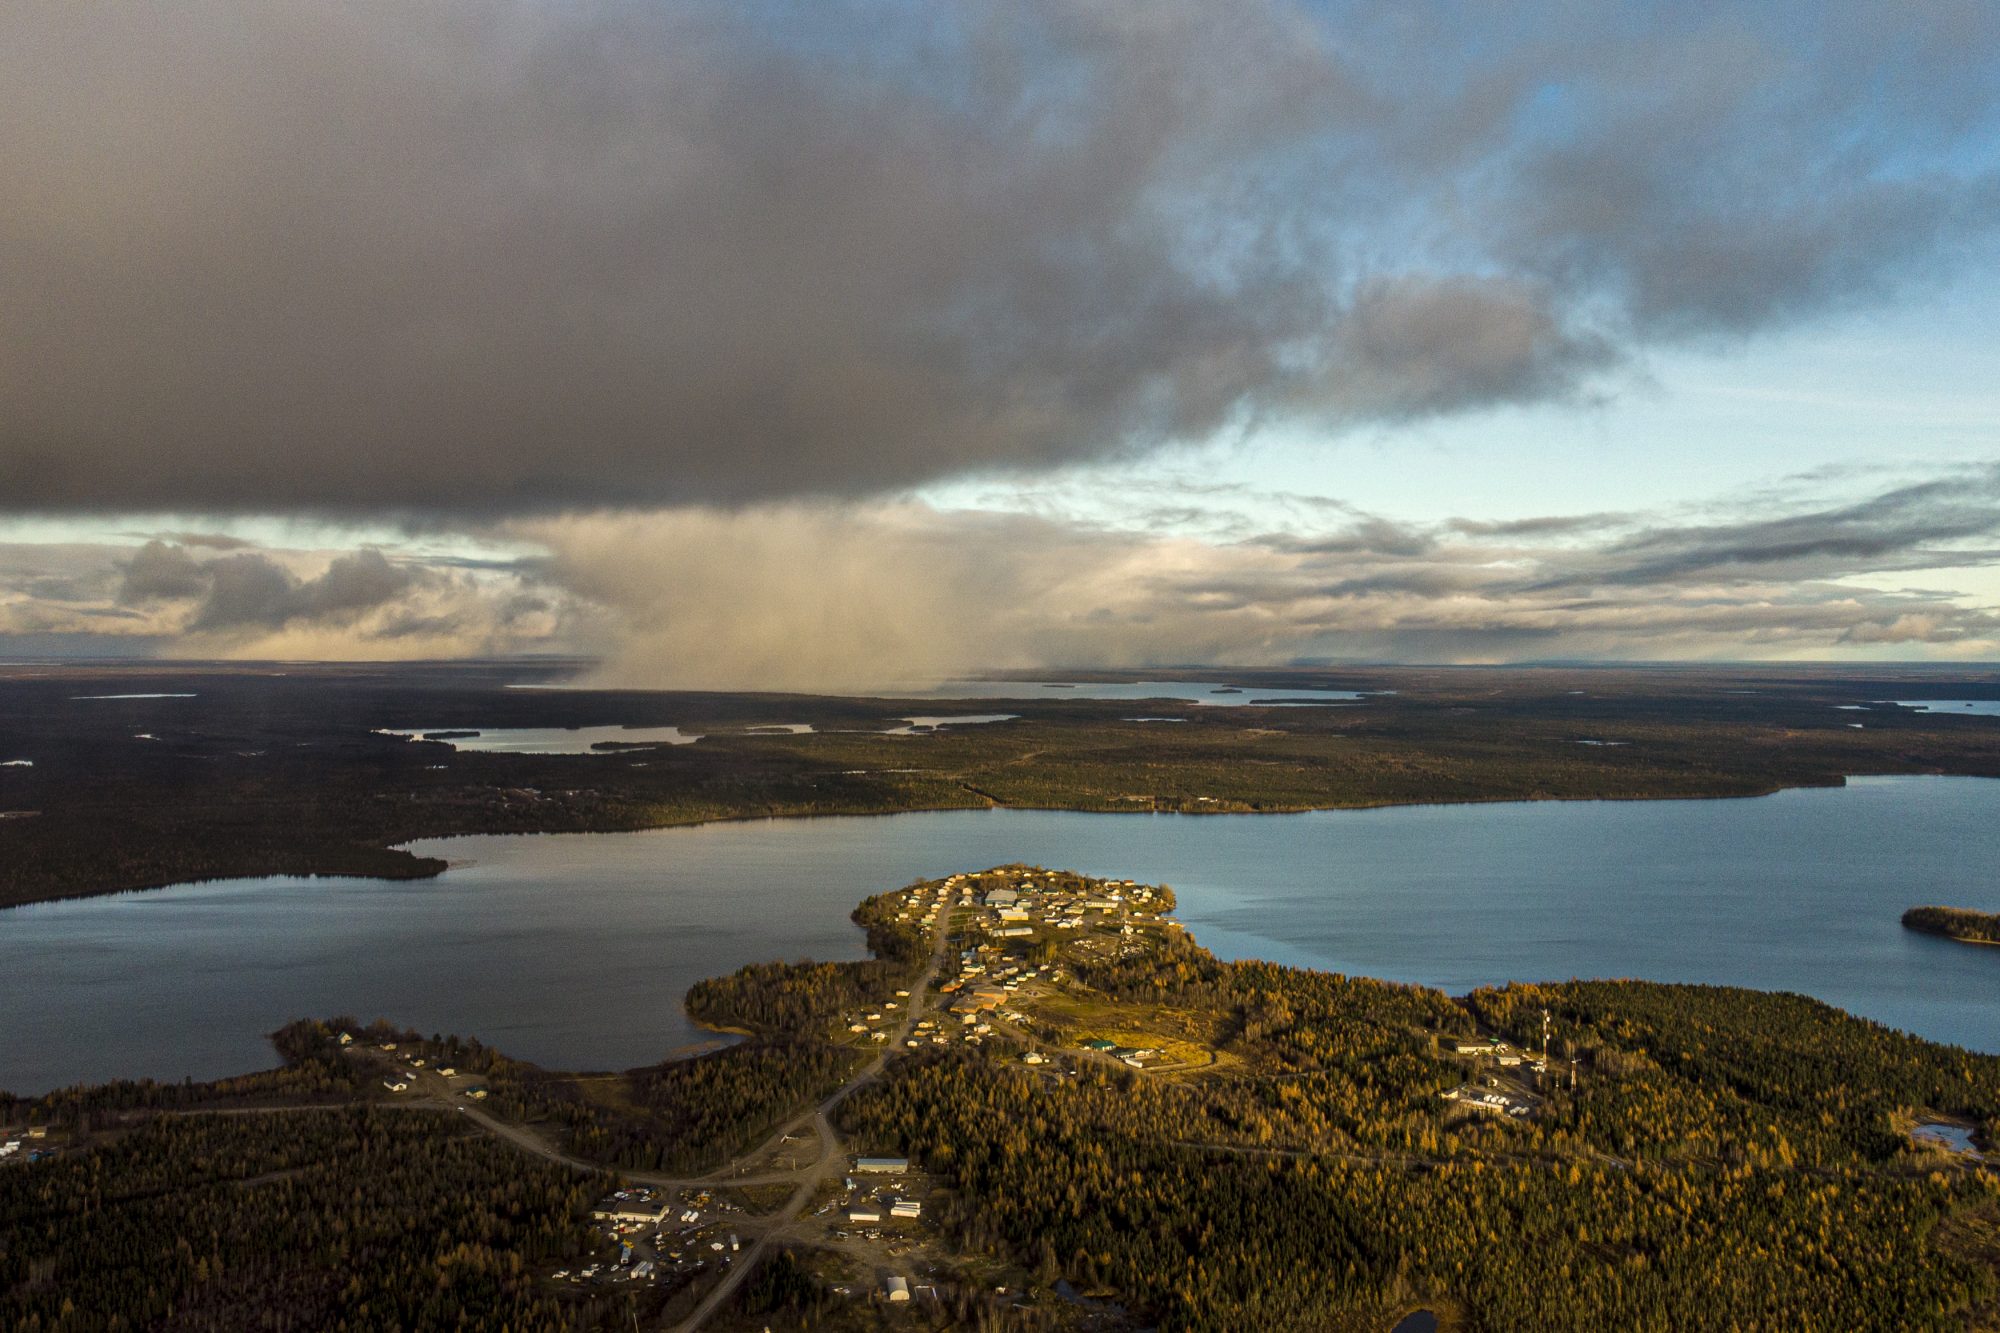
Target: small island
[{"x": 1955, "y": 923}]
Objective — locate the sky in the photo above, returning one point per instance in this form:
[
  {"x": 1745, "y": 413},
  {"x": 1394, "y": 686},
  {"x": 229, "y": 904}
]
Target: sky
[{"x": 750, "y": 345}]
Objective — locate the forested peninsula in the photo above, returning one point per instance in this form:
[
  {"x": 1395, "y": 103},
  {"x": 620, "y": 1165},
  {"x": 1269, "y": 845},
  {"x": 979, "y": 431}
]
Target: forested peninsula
[
  {"x": 1956, "y": 923},
  {"x": 1043, "y": 1105}
]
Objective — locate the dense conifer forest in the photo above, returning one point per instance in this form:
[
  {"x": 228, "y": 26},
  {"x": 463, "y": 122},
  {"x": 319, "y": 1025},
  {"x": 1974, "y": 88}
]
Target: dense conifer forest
[
  {"x": 359, "y": 1218},
  {"x": 1955, "y": 922}
]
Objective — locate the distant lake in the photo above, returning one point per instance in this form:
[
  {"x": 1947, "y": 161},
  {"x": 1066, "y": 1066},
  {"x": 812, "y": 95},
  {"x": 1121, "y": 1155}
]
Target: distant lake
[
  {"x": 1212, "y": 693},
  {"x": 575, "y": 949},
  {"x": 1965, "y": 707},
  {"x": 586, "y": 740},
  {"x": 546, "y": 740},
  {"x": 919, "y": 725}
]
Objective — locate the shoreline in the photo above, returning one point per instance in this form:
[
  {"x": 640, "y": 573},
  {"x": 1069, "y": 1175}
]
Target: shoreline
[
  {"x": 1387, "y": 969},
  {"x": 443, "y": 865}
]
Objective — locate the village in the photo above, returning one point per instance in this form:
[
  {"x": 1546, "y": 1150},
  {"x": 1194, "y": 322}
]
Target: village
[
  {"x": 1006, "y": 948},
  {"x": 1018, "y": 973}
]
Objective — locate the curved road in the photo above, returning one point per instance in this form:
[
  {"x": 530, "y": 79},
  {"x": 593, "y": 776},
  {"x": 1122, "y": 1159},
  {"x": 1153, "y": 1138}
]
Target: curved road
[
  {"x": 832, "y": 1157},
  {"x": 830, "y": 1162}
]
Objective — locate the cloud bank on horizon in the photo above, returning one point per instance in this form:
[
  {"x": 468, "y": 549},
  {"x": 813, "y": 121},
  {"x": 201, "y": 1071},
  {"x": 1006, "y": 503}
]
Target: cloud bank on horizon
[
  {"x": 685, "y": 298},
  {"x": 872, "y": 596}
]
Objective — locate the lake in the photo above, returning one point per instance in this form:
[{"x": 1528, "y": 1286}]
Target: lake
[
  {"x": 1960, "y": 707},
  {"x": 1208, "y": 693},
  {"x": 575, "y": 949},
  {"x": 545, "y": 740}
]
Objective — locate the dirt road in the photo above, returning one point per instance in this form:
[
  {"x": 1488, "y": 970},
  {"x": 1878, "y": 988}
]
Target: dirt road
[{"x": 832, "y": 1160}]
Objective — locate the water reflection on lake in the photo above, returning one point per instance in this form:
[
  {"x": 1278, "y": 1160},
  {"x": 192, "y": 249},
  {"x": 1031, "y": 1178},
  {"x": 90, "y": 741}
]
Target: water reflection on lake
[
  {"x": 1206, "y": 692},
  {"x": 546, "y": 740},
  {"x": 575, "y": 949},
  {"x": 1961, "y": 707},
  {"x": 920, "y": 725},
  {"x": 1953, "y": 1138}
]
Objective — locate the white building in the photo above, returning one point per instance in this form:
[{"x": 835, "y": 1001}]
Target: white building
[{"x": 881, "y": 1166}]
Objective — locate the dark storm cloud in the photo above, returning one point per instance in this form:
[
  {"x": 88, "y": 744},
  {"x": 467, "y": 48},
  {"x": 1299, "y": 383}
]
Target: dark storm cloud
[
  {"x": 252, "y": 590},
  {"x": 161, "y": 570},
  {"x": 521, "y": 257},
  {"x": 1411, "y": 347},
  {"x": 1749, "y": 164}
]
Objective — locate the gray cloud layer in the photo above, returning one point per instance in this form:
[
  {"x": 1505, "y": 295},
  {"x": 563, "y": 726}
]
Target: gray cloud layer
[
  {"x": 520, "y": 257},
  {"x": 806, "y": 597},
  {"x": 176, "y": 594},
  {"x": 865, "y": 596}
]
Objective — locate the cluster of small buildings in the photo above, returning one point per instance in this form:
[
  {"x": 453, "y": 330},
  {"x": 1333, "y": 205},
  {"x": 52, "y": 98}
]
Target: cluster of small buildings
[
  {"x": 928, "y": 903},
  {"x": 1493, "y": 1103},
  {"x": 1053, "y": 899},
  {"x": 1138, "y": 1057},
  {"x": 398, "y": 1080},
  {"x": 867, "y": 1205},
  {"x": 986, "y": 982},
  {"x": 1506, "y": 1056},
  {"x": 1027, "y": 900},
  {"x": 11, "y": 1146},
  {"x": 650, "y": 1246},
  {"x": 860, "y": 1024}
]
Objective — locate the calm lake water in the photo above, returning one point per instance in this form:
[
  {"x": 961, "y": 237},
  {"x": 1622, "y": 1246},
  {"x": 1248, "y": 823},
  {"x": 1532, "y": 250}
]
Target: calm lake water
[
  {"x": 1962, "y": 707},
  {"x": 575, "y": 949},
  {"x": 548, "y": 740},
  {"x": 1205, "y": 692}
]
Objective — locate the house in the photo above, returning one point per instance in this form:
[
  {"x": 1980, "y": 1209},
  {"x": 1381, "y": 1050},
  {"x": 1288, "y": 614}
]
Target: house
[{"x": 1000, "y": 898}]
